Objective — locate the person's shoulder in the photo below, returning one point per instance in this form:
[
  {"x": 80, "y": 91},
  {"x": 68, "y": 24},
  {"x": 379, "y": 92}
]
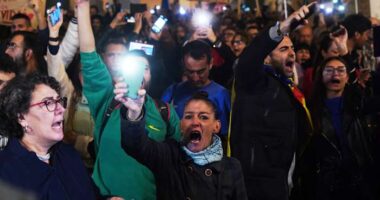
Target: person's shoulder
[{"x": 231, "y": 163}]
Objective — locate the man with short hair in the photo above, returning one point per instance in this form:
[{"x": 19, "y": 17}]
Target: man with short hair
[
  {"x": 197, "y": 62},
  {"x": 21, "y": 22},
  {"x": 27, "y": 53},
  {"x": 270, "y": 125},
  {"x": 358, "y": 29}
]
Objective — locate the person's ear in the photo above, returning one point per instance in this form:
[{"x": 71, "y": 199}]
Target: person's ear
[
  {"x": 267, "y": 60},
  {"x": 28, "y": 54},
  {"x": 211, "y": 64},
  {"x": 357, "y": 35},
  {"x": 217, "y": 127}
]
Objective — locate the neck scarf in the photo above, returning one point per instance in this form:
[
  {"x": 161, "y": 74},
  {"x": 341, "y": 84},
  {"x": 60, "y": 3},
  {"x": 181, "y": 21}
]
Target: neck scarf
[{"x": 212, "y": 153}]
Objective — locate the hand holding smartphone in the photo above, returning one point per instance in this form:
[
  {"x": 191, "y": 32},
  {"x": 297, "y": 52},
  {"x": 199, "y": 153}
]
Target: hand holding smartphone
[
  {"x": 159, "y": 24},
  {"x": 133, "y": 69},
  {"x": 312, "y": 9},
  {"x": 55, "y": 15}
]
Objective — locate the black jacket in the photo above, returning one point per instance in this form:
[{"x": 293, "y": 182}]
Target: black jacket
[
  {"x": 268, "y": 124},
  {"x": 177, "y": 177},
  {"x": 344, "y": 169}
]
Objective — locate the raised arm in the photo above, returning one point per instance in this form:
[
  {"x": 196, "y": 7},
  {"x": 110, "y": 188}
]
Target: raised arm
[
  {"x": 55, "y": 65},
  {"x": 70, "y": 42},
  {"x": 86, "y": 35},
  {"x": 250, "y": 70}
]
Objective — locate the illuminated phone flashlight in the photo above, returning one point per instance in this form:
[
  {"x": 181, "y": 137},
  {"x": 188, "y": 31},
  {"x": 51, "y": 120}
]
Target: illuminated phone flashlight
[
  {"x": 224, "y": 8},
  {"x": 341, "y": 8},
  {"x": 201, "y": 18},
  {"x": 158, "y": 7},
  {"x": 182, "y": 11},
  {"x": 48, "y": 11},
  {"x": 132, "y": 69},
  {"x": 152, "y": 11}
]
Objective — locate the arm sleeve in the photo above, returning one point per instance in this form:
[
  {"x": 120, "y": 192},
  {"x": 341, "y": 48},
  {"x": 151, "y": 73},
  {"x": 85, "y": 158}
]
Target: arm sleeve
[
  {"x": 174, "y": 130},
  {"x": 70, "y": 44},
  {"x": 249, "y": 70},
  {"x": 97, "y": 86},
  {"x": 57, "y": 70},
  {"x": 136, "y": 143}
]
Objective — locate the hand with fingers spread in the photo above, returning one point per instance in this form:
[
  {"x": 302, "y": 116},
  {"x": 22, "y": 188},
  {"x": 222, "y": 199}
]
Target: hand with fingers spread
[{"x": 134, "y": 106}]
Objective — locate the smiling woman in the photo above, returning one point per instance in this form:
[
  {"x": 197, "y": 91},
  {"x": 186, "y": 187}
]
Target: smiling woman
[{"x": 35, "y": 159}]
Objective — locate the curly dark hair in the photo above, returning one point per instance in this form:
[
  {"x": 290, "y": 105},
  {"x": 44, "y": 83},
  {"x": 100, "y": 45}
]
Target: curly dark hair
[{"x": 15, "y": 100}]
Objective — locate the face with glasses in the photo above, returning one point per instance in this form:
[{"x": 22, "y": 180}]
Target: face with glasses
[
  {"x": 238, "y": 45},
  {"x": 15, "y": 48},
  {"x": 197, "y": 71},
  {"x": 335, "y": 77},
  {"x": 44, "y": 118}
]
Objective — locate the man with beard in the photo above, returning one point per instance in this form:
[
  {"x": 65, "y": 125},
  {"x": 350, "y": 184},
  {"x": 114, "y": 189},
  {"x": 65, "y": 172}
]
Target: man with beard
[
  {"x": 270, "y": 124},
  {"x": 27, "y": 53},
  {"x": 115, "y": 172}
]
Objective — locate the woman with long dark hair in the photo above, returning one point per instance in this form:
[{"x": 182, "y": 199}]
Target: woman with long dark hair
[{"x": 341, "y": 144}]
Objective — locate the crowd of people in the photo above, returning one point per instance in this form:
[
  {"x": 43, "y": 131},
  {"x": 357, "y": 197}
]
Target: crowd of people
[{"x": 240, "y": 106}]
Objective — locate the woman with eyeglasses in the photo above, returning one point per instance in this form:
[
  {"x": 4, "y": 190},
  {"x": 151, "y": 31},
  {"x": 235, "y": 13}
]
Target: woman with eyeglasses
[
  {"x": 35, "y": 159},
  {"x": 341, "y": 150}
]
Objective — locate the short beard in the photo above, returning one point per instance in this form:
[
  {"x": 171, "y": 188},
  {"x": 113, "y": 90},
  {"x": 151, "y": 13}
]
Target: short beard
[{"x": 20, "y": 64}]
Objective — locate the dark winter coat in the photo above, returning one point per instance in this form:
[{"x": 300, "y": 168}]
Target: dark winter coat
[
  {"x": 269, "y": 126},
  {"x": 177, "y": 176}
]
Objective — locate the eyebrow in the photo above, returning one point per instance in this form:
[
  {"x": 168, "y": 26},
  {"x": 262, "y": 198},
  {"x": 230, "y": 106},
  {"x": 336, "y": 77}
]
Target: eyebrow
[
  {"x": 335, "y": 67},
  {"x": 201, "y": 113}
]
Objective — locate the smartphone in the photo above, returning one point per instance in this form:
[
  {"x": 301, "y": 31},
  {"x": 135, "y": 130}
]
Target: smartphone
[
  {"x": 54, "y": 16},
  {"x": 132, "y": 70},
  {"x": 159, "y": 24},
  {"x": 376, "y": 41},
  {"x": 137, "y": 8},
  {"x": 147, "y": 48},
  {"x": 312, "y": 9}
]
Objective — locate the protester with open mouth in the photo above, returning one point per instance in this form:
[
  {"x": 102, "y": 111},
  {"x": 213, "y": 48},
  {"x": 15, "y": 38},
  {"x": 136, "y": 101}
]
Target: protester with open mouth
[
  {"x": 341, "y": 150},
  {"x": 191, "y": 169},
  {"x": 35, "y": 159}
]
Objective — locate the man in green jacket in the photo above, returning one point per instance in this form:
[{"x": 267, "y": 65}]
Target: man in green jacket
[{"x": 115, "y": 172}]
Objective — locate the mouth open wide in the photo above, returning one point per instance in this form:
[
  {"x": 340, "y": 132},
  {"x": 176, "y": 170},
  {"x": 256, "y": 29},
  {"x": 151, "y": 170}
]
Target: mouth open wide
[{"x": 195, "y": 137}]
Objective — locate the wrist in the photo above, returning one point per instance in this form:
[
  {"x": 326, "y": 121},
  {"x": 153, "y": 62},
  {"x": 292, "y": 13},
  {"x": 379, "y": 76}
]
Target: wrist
[{"x": 53, "y": 39}]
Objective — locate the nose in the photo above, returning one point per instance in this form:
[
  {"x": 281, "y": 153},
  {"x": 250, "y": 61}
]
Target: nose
[
  {"x": 7, "y": 51},
  {"x": 195, "y": 121},
  {"x": 59, "y": 109}
]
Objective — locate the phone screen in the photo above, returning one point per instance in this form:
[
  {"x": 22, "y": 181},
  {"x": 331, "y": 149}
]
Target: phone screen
[
  {"x": 55, "y": 15},
  {"x": 159, "y": 24},
  {"x": 147, "y": 48}
]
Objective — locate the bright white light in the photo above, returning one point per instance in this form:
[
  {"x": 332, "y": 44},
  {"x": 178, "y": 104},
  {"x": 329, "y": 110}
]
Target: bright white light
[
  {"x": 329, "y": 10},
  {"x": 322, "y": 6},
  {"x": 152, "y": 11},
  {"x": 182, "y": 11},
  {"x": 201, "y": 18},
  {"x": 128, "y": 65},
  {"x": 158, "y": 7},
  {"x": 224, "y": 8},
  {"x": 341, "y": 8},
  {"x": 335, "y": 1}
]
